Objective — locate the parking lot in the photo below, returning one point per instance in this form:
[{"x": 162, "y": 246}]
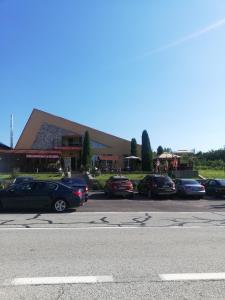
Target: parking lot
[{"x": 98, "y": 202}]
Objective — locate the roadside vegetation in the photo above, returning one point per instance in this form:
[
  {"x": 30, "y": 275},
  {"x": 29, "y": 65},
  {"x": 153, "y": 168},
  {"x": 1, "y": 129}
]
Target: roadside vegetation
[
  {"x": 40, "y": 176},
  {"x": 211, "y": 173}
]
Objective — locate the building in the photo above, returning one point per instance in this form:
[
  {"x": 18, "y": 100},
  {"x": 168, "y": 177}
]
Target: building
[{"x": 48, "y": 142}]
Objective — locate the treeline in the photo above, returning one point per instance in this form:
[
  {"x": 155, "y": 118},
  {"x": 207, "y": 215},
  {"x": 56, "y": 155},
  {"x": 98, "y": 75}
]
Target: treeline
[{"x": 212, "y": 159}]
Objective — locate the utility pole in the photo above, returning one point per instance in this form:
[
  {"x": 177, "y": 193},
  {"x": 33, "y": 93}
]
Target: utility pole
[{"x": 11, "y": 131}]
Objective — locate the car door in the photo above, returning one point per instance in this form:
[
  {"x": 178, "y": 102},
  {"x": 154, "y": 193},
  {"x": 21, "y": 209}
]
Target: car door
[
  {"x": 178, "y": 186},
  {"x": 41, "y": 195},
  {"x": 211, "y": 187},
  {"x": 18, "y": 196}
]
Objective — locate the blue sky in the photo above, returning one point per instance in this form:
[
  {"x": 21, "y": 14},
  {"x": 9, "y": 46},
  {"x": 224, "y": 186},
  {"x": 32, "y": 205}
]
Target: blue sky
[{"x": 120, "y": 66}]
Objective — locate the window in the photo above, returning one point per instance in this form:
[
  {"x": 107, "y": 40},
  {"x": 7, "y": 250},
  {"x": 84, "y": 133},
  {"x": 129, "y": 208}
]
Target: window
[
  {"x": 71, "y": 141},
  {"x": 212, "y": 183},
  {"x": 51, "y": 186},
  {"x": 97, "y": 145}
]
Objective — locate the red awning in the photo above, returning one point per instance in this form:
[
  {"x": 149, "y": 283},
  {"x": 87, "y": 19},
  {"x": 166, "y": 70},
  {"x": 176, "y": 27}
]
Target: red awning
[
  {"x": 108, "y": 157},
  {"x": 32, "y": 152}
]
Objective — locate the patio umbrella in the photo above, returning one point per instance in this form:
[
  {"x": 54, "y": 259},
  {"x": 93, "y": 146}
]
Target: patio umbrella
[
  {"x": 132, "y": 157},
  {"x": 167, "y": 155}
]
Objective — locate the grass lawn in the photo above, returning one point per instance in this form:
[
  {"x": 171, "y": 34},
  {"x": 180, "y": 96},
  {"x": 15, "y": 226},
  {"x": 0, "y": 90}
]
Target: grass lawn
[
  {"x": 212, "y": 173},
  {"x": 41, "y": 176}
]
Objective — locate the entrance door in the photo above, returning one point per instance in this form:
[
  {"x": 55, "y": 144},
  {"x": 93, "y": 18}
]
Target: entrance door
[{"x": 73, "y": 163}]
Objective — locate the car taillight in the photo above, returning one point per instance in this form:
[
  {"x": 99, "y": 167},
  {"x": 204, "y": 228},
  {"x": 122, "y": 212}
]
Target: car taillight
[
  {"x": 114, "y": 186},
  {"x": 77, "y": 193}
]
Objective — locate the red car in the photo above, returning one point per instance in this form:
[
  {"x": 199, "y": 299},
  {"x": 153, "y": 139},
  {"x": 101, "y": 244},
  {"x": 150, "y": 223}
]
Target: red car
[{"x": 119, "y": 186}]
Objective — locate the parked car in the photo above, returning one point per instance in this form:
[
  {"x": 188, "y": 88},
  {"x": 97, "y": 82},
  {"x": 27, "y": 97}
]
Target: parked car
[
  {"x": 215, "y": 187},
  {"x": 156, "y": 185},
  {"x": 189, "y": 187},
  {"x": 76, "y": 184},
  {"x": 119, "y": 186},
  {"x": 40, "y": 194},
  {"x": 21, "y": 179}
]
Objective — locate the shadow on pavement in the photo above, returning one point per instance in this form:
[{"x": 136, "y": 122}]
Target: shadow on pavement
[
  {"x": 217, "y": 206},
  {"x": 137, "y": 197},
  {"x": 33, "y": 211}
]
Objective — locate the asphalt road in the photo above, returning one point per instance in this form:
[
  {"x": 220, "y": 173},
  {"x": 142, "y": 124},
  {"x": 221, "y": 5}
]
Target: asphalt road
[
  {"x": 98, "y": 202},
  {"x": 134, "y": 257},
  {"x": 45, "y": 255}
]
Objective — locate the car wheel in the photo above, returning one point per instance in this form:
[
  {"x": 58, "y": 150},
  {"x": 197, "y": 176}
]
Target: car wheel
[
  {"x": 149, "y": 194},
  {"x": 60, "y": 205},
  {"x": 131, "y": 196}
]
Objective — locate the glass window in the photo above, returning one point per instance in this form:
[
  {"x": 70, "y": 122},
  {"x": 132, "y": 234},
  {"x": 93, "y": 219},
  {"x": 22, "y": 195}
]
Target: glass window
[
  {"x": 26, "y": 186},
  {"x": 51, "y": 186},
  {"x": 222, "y": 182},
  {"x": 212, "y": 183},
  {"x": 95, "y": 144}
]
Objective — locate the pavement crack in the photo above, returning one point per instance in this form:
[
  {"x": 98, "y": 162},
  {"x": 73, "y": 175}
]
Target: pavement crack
[
  {"x": 35, "y": 217},
  {"x": 5, "y": 222}
]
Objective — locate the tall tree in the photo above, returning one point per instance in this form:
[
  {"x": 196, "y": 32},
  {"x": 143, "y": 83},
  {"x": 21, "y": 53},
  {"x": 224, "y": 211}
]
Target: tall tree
[
  {"x": 159, "y": 150},
  {"x": 146, "y": 152},
  {"x": 86, "y": 151},
  {"x": 133, "y": 147},
  {"x": 167, "y": 149}
]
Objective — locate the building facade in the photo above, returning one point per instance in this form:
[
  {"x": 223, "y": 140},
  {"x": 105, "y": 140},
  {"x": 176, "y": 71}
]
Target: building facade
[{"x": 49, "y": 142}]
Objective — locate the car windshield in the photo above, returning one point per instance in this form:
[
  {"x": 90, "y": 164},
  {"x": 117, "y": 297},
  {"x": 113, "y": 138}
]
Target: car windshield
[
  {"x": 189, "y": 181},
  {"x": 162, "y": 179},
  {"x": 222, "y": 182}
]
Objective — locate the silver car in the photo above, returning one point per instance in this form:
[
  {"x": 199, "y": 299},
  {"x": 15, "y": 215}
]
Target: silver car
[{"x": 189, "y": 187}]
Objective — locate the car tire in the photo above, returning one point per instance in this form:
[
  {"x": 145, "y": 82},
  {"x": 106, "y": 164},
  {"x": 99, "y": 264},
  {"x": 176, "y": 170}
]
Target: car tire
[
  {"x": 131, "y": 196},
  {"x": 60, "y": 205},
  {"x": 149, "y": 194}
]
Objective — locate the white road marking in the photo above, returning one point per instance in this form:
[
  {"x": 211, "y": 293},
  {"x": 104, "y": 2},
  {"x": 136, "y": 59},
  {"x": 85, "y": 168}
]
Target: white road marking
[
  {"x": 139, "y": 212},
  {"x": 192, "y": 276},
  {"x": 60, "y": 280},
  {"x": 106, "y": 227}
]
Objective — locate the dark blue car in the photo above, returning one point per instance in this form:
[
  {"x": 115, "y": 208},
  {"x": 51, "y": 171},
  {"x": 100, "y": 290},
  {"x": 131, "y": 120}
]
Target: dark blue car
[
  {"x": 40, "y": 195},
  {"x": 77, "y": 183}
]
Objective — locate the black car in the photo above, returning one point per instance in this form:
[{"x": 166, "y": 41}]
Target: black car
[
  {"x": 21, "y": 179},
  {"x": 40, "y": 194},
  {"x": 156, "y": 185},
  {"x": 77, "y": 183},
  {"x": 215, "y": 187}
]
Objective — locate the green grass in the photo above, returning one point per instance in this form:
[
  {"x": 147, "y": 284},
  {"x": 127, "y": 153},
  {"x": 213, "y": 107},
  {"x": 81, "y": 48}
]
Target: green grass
[
  {"x": 212, "y": 173},
  {"x": 5, "y": 176},
  {"x": 40, "y": 176}
]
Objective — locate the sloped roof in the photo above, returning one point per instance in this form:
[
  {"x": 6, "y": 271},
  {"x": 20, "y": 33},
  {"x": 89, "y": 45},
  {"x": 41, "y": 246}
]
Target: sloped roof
[
  {"x": 38, "y": 118},
  {"x": 3, "y": 146}
]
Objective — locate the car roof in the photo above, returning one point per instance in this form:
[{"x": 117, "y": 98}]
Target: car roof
[
  {"x": 119, "y": 177},
  {"x": 156, "y": 176}
]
